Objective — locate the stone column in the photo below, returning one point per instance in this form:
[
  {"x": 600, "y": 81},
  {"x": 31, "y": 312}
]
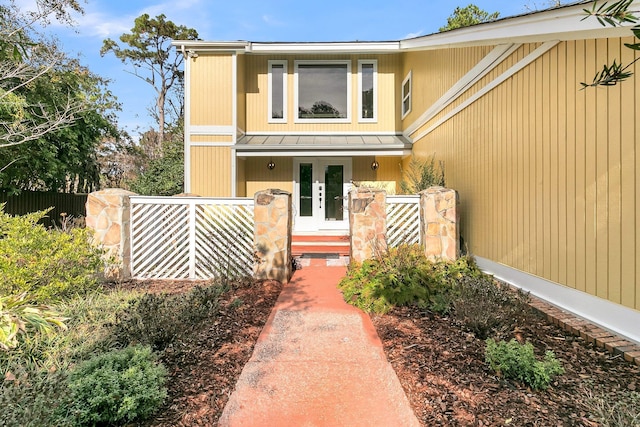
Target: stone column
[
  {"x": 109, "y": 216},
  {"x": 272, "y": 235},
  {"x": 440, "y": 223},
  {"x": 368, "y": 223}
]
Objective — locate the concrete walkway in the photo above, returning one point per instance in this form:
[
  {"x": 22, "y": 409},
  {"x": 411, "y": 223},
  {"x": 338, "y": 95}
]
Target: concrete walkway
[{"x": 317, "y": 362}]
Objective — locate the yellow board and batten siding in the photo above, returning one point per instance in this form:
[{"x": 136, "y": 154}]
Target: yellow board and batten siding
[
  {"x": 389, "y": 65},
  {"x": 547, "y": 172},
  {"x": 211, "y": 101}
]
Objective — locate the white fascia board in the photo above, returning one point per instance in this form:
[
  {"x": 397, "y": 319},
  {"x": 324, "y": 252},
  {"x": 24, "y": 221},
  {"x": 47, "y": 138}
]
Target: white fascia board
[
  {"x": 213, "y": 46},
  {"x": 322, "y": 133},
  {"x": 333, "y": 152},
  {"x": 611, "y": 316},
  {"x": 565, "y": 23},
  {"x": 325, "y": 47}
]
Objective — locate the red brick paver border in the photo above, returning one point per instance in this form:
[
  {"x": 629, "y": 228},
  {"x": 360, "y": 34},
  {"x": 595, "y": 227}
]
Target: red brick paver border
[{"x": 590, "y": 332}]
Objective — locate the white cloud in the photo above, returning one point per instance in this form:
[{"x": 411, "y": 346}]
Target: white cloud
[
  {"x": 413, "y": 35},
  {"x": 270, "y": 20}
]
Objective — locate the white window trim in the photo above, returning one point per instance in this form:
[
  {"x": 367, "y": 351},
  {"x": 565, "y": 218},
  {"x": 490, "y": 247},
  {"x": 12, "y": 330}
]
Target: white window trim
[
  {"x": 407, "y": 80},
  {"x": 284, "y": 92},
  {"x": 295, "y": 91},
  {"x": 373, "y": 62}
]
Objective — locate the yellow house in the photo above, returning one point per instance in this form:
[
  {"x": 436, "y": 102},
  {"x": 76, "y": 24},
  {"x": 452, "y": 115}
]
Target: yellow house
[{"x": 546, "y": 172}]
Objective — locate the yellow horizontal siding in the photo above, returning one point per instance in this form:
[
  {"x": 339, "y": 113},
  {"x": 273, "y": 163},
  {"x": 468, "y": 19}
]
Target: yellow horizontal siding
[
  {"x": 546, "y": 171},
  {"x": 211, "y": 171},
  {"x": 256, "y": 84},
  {"x": 211, "y": 97}
]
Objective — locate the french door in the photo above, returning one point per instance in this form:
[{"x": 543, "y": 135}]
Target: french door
[{"x": 320, "y": 193}]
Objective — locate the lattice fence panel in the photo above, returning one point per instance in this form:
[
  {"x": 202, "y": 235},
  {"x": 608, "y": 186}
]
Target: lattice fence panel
[
  {"x": 224, "y": 240},
  {"x": 191, "y": 238},
  {"x": 403, "y": 220},
  {"x": 160, "y": 241}
]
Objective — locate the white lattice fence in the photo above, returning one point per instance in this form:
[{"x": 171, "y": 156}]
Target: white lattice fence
[
  {"x": 403, "y": 220},
  {"x": 191, "y": 238}
]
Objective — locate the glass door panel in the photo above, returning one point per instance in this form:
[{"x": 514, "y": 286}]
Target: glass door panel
[
  {"x": 334, "y": 179},
  {"x": 305, "y": 201}
]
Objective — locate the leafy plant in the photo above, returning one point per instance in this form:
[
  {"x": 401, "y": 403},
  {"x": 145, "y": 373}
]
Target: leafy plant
[
  {"x": 18, "y": 317},
  {"x": 422, "y": 174},
  {"x": 518, "y": 361},
  {"x": 613, "y": 15},
  {"x": 157, "y": 320},
  {"x": 116, "y": 387},
  {"x": 483, "y": 307},
  {"x": 45, "y": 263},
  {"x": 400, "y": 277}
]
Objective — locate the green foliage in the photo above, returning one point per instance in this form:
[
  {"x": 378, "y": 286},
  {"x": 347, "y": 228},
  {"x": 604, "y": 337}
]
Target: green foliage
[
  {"x": 422, "y": 174},
  {"x": 158, "y": 320},
  {"x": 613, "y": 15},
  {"x": 613, "y": 409},
  {"x": 18, "y": 317},
  {"x": 148, "y": 48},
  {"x": 45, "y": 263},
  {"x": 401, "y": 277},
  {"x": 467, "y": 16},
  {"x": 164, "y": 175},
  {"x": 33, "y": 399},
  {"x": 116, "y": 387},
  {"x": 517, "y": 361},
  {"x": 484, "y": 307}
]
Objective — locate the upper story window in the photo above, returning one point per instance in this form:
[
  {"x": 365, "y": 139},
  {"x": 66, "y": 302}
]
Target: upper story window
[
  {"x": 367, "y": 90},
  {"x": 323, "y": 91},
  {"x": 406, "y": 95},
  {"x": 277, "y": 91}
]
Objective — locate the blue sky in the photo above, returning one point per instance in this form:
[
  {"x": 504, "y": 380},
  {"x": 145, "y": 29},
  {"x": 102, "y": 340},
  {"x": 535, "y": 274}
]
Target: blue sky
[{"x": 254, "y": 20}]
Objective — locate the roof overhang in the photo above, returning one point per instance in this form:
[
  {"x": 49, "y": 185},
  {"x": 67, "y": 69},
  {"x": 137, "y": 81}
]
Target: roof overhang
[
  {"x": 561, "y": 23},
  {"x": 322, "y": 145}
]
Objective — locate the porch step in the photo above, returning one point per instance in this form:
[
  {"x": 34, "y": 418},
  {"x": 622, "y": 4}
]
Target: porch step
[{"x": 320, "y": 244}]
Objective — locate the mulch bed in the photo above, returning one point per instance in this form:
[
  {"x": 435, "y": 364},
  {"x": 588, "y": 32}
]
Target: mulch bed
[
  {"x": 443, "y": 372},
  {"x": 440, "y": 366},
  {"x": 204, "y": 367}
]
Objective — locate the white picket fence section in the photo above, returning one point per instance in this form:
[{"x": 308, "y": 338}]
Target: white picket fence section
[
  {"x": 403, "y": 220},
  {"x": 191, "y": 237}
]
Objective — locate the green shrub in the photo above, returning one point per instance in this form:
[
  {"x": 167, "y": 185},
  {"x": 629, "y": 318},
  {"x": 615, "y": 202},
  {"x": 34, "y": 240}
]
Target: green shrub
[
  {"x": 157, "y": 320},
  {"x": 518, "y": 361},
  {"x": 45, "y": 263},
  {"x": 484, "y": 307},
  {"x": 33, "y": 399},
  {"x": 116, "y": 387},
  {"x": 403, "y": 276}
]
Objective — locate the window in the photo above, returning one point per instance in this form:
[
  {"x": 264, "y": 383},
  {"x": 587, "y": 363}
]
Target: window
[
  {"x": 323, "y": 91},
  {"x": 277, "y": 91},
  {"x": 406, "y": 95},
  {"x": 367, "y": 90}
]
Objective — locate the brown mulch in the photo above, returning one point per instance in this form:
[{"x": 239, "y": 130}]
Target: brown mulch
[
  {"x": 204, "y": 367},
  {"x": 440, "y": 366},
  {"x": 443, "y": 372}
]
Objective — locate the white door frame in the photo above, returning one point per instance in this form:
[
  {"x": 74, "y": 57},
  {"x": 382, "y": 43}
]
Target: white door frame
[{"x": 317, "y": 221}]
